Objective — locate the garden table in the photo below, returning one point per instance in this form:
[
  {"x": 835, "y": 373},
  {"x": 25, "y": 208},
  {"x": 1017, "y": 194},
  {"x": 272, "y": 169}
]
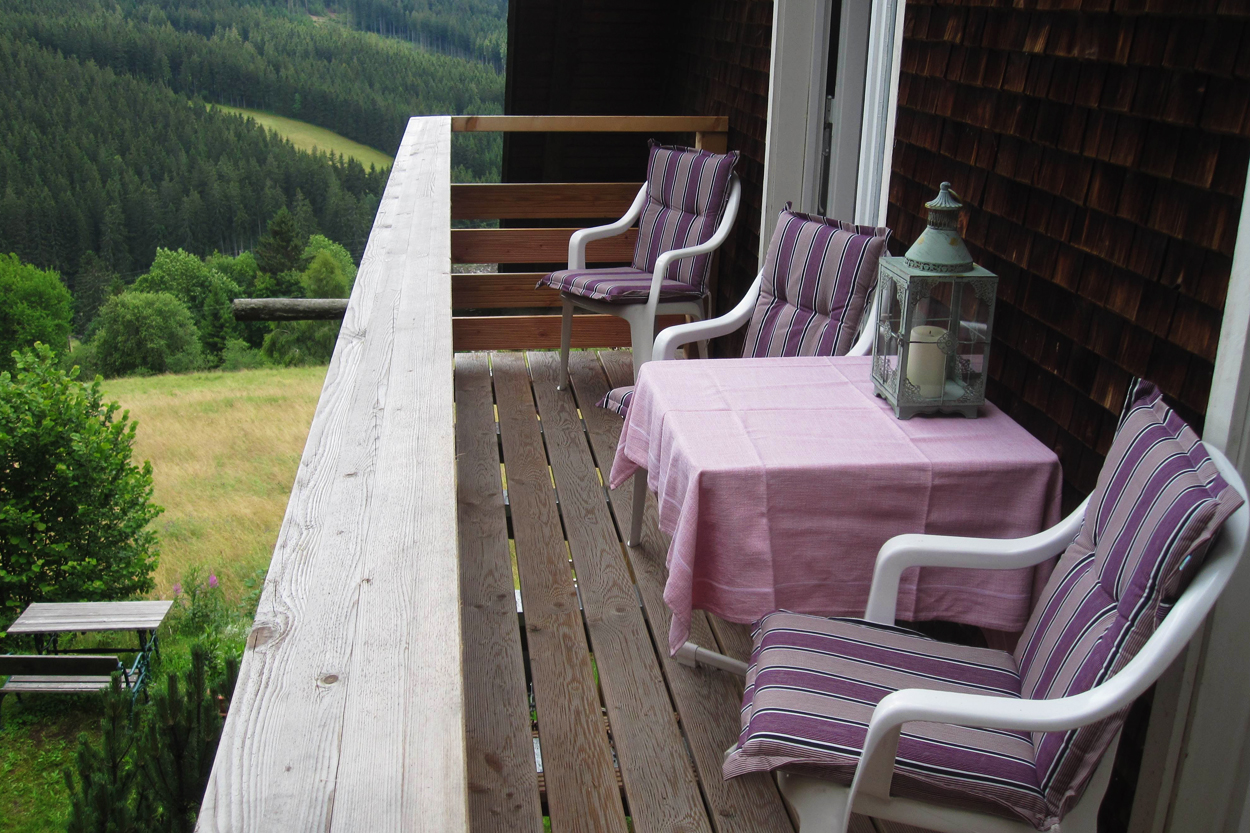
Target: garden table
[
  {"x": 780, "y": 478},
  {"x": 44, "y": 619}
]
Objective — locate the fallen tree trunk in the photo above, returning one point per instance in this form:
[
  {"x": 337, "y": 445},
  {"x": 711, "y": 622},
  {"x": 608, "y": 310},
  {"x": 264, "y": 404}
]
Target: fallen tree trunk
[{"x": 288, "y": 309}]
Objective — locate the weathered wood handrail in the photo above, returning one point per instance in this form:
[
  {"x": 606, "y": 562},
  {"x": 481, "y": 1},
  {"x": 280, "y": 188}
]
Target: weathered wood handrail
[
  {"x": 349, "y": 710},
  {"x": 288, "y": 309}
]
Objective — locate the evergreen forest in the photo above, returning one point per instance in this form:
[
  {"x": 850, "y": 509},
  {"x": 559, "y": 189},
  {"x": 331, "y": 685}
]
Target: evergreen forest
[{"x": 110, "y": 148}]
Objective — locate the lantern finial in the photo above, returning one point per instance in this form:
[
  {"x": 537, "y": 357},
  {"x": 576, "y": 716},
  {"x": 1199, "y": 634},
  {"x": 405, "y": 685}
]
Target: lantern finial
[{"x": 939, "y": 248}]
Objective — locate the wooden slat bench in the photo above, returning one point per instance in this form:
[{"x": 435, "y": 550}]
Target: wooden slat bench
[{"x": 45, "y": 674}]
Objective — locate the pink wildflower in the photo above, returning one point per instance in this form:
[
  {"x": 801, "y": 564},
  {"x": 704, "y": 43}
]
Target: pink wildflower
[
  {"x": 212, "y": 580},
  {"x": 177, "y": 589}
]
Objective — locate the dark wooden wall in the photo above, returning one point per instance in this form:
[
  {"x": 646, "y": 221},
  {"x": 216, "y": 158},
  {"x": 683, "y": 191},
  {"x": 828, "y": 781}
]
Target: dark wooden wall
[
  {"x": 644, "y": 57},
  {"x": 1102, "y": 149}
]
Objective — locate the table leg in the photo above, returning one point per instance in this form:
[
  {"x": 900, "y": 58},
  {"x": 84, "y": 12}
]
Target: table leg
[
  {"x": 693, "y": 655},
  {"x": 640, "y": 501}
]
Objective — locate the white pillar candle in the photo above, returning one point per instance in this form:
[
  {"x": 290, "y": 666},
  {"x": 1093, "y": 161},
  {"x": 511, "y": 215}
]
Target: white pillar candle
[{"x": 926, "y": 363}]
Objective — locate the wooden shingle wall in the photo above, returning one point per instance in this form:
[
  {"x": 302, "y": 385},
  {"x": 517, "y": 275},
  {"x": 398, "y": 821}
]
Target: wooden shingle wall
[
  {"x": 720, "y": 68},
  {"x": 1101, "y": 147}
]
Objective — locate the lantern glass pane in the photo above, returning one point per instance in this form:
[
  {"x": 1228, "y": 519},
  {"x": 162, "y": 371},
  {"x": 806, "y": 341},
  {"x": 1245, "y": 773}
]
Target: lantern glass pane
[{"x": 974, "y": 316}]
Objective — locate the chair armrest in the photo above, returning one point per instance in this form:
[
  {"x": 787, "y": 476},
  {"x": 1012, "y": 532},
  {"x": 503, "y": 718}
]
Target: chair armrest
[
  {"x": 722, "y": 232},
  {"x": 863, "y": 344},
  {"x": 904, "y": 551},
  {"x": 577, "y": 243},
  {"x": 667, "y": 342}
]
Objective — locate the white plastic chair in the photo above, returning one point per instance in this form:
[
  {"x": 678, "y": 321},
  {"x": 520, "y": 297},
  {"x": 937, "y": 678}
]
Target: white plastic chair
[
  {"x": 641, "y": 316},
  {"x": 826, "y": 806}
]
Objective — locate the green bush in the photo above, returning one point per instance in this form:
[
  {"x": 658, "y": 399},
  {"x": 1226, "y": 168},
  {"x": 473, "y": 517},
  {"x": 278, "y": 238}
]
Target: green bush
[
  {"x": 206, "y": 292},
  {"x": 319, "y": 243},
  {"x": 239, "y": 355},
  {"x": 35, "y": 306},
  {"x": 149, "y": 332},
  {"x": 74, "y": 509},
  {"x": 310, "y": 342}
]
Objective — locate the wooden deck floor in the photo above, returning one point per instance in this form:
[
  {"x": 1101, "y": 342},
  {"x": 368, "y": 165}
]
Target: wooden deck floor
[{"x": 629, "y": 739}]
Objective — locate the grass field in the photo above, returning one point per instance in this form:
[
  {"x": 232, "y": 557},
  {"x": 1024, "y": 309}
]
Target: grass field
[
  {"x": 224, "y": 449},
  {"x": 309, "y": 137}
]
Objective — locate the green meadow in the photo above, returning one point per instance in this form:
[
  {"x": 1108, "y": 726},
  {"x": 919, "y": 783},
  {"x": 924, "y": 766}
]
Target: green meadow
[{"x": 309, "y": 137}]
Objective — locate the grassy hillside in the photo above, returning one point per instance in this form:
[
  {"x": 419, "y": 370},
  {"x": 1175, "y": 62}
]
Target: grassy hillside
[
  {"x": 311, "y": 138},
  {"x": 224, "y": 449}
]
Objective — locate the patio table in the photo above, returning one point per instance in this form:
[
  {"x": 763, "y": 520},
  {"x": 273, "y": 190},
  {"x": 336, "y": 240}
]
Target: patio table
[{"x": 779, "y": 479}]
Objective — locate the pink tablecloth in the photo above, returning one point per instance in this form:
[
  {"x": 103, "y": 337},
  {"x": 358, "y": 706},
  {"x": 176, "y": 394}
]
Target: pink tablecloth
[{"x": 780, "y": 479}]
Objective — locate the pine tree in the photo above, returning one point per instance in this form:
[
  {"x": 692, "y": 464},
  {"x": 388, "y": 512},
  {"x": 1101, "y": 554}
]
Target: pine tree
[
  {"x": 280, "y": 249},
  {"x": 91, "y": 290},
  {"x": 305, "y": 219},
  {"x": 178, "y": 746},
  {"x": 102, "y": 798}
]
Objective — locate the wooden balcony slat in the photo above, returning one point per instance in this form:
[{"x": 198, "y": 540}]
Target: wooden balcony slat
[
  {"x": 528, "y": 200},
  {"x": 590, "y": 124},
  {"x": 535, "y": 245},
  {"x": 500, "y": 290},
  {"x": 663, "y": 793},
  {"x": 503, "y": 783},
  {"x": 577, "y": 760},
  {"x": 708, "y": 700},
  {"x": 542, "y": 332},
  {"x": 349, "y": 713}
]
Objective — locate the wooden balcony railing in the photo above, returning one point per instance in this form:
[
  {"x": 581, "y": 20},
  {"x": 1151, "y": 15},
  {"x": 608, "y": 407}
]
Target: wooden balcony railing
[
  {"x": 514, "y": 292},
  {"x": 349, "y": 713}
]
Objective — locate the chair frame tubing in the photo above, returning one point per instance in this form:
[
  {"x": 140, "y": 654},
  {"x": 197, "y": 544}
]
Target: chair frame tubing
[{"x": 641, "y": 316}]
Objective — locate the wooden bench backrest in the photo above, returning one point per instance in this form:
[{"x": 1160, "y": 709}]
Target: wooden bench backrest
[{"x": 68, "y": 666}]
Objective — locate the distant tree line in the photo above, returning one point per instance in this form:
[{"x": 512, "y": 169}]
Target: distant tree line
[
  {"x": 476, "y": 29},
  {"x": 359, "y": 85},
  {"x": 98, "y": 169}
]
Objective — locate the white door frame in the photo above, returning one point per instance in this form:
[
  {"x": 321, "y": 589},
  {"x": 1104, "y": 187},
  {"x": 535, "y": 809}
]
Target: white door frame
[
  {"x": 1196, "y": 766},
  {"x": 796, "y": 105}
]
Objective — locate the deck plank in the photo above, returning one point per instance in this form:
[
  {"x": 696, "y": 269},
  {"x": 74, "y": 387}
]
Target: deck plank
[
  {"x": 707, "y": 700},
  {"x": 577, "y": 760},
  {"x": 659, "y": 780},
  {"x": 503, "y": 781}
]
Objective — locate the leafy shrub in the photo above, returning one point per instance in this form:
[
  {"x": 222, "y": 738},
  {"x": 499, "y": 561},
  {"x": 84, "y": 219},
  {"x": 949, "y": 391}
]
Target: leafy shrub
[
  {"x": 239, "y": 355},
  {"x": 319, "y": 243},
  {"x": 201, "y": 615},
  {"x": 145, "y": 331},
  {"x": 74, "y": 509},
  {"x": 206, "y": 292},
  {"x": 310, "y": 342},
  {"x": 36, "y": 307}
]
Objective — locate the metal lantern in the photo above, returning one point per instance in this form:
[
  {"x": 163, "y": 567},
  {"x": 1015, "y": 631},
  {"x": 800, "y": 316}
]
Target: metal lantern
[{"x": 935, "y": 314}]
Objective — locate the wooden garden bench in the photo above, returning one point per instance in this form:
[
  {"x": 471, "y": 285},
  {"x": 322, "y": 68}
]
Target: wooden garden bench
[{"x": 53, "y": 674}]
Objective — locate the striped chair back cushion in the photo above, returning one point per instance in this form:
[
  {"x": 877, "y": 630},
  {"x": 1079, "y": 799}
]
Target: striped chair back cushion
[
  {"x": 817, "y": 274},
  {"x": 687, "y": 191},
  {"x": 1158, "y": 504}
]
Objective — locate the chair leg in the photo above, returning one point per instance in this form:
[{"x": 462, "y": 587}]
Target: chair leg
[
  {"x": 566, "y": 338},
  {"x": 641, "y": 336},
  {"x": 640, "y": 500},
  {"x": 820, "y": 805}
]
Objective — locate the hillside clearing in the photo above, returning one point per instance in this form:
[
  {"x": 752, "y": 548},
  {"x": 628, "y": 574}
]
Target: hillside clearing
[
  {"x": 224, "y": 448},
  {"x": 309, "y": 137}
]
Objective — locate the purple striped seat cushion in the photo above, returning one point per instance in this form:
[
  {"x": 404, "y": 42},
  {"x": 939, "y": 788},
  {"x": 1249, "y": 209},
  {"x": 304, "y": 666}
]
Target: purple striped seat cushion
[
  {"x": 817, "y": 274},
  {"x": 1158, "y": 503},
  {"x": 617, "y": 400},
  {"x": 687, "y": 191},
  {"x": 813, "y": 683},
  {"x": 622, "y": 284}
]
